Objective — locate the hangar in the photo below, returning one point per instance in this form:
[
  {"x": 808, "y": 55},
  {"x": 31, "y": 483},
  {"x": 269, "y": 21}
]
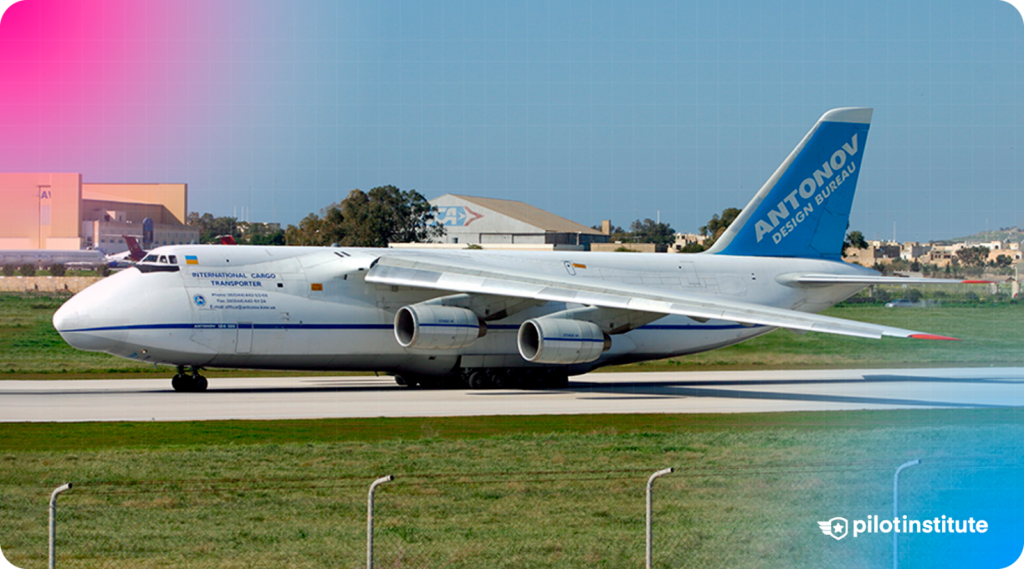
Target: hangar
[
  {"x": 488, "y": 221},
  {"x": 57, "y": 211}
]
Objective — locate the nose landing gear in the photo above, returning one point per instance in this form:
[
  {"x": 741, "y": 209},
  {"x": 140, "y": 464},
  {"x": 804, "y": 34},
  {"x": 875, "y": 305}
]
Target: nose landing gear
[{"x": 188, "y": 382}]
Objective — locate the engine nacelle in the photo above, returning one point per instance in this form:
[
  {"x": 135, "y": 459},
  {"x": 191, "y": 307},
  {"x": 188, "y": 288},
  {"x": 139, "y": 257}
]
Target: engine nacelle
[
  {"x": 435, "y": 327},
  {"x": 561, "y": 341}
]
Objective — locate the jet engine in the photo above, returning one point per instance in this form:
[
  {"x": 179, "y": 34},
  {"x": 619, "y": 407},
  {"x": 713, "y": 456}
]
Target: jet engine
[
  {"x": 561, "y": 341},
  {"x": 435, "y": 327}
]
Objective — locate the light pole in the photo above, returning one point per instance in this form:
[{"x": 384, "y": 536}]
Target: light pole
[{"x": 896, "y": 510}]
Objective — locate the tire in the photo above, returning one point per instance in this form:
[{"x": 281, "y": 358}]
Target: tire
[
  {"x": 199, "y": 383},
  {"x": 477, "y": 380},
  {"x": 178, "y": 383},
  {"x": 500, "y": 379}
]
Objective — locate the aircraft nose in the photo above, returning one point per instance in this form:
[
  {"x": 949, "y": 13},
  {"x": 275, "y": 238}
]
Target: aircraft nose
[
  {"x": 87, "y": 325},
  {"x": 66, "y": 317}
]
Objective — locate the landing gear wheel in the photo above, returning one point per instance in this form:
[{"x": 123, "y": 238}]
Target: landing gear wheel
[
  {"x": 477, "y": 380},
  {"x": 188, "y": 382},
  {"x": 401, "y": 380},
  {"x": 500, "y": 379}
]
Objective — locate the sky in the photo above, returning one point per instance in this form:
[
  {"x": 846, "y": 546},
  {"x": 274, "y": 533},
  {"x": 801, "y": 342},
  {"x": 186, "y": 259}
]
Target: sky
[{"x": 592, "y": 110}]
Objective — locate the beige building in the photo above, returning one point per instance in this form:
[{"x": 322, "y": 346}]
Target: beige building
[
  {"x": 489, "y": 221},
  {"x": 59, "y": 212}
]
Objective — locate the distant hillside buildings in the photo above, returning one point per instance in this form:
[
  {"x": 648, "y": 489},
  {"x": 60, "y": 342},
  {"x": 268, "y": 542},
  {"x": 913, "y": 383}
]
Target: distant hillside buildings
[{"x": 885, "y": 252}]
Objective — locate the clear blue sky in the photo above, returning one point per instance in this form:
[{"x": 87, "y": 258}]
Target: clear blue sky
[{"x": 590, "y": 109}]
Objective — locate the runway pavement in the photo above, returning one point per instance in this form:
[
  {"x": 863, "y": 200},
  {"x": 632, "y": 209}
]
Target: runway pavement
[{"x": 689, "y": 392}]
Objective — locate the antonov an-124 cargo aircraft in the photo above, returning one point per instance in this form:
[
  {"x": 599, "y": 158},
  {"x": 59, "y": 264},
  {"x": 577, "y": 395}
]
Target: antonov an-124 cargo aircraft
[{"x": 497, "y": 318}]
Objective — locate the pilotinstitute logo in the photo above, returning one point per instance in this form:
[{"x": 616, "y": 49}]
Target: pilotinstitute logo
[{"x": 838, "y": 528}]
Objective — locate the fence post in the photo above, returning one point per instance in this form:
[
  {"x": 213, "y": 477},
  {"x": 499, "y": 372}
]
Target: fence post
[
  {"x": 53, "y": 524},
  {"x": 369, "y": 519},
  {"x": 650, "y": 488},
  {"x": 896, "y": 510}
]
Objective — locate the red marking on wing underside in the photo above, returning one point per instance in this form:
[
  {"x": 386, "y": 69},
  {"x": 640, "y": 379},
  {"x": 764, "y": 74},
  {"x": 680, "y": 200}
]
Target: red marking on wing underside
[{"x": 933, "y": 337}]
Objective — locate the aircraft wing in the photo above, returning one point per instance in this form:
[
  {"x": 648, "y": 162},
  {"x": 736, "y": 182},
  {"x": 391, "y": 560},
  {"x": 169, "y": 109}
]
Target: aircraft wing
[{"x": 455, "y": 276}]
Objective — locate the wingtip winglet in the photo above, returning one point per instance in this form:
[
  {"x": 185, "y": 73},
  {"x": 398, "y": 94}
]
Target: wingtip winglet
[{"x": 933, "y": 337}]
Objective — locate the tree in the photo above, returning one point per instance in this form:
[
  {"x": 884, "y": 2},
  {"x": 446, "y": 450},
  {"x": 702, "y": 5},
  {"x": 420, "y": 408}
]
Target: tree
[
  {"x": 307, "y": 232},
  {"x": 718, "y": 224},
  {"x": 1002, "y": 261},
  {"x": 376, "y": 218},
  {"x": 975, "y": 256},
  {"x": 259, "y": 234},
  {"x": 210, "y": 227},
  {"x": 650, "y": 231},
  {"x": 856, "y": 240}
]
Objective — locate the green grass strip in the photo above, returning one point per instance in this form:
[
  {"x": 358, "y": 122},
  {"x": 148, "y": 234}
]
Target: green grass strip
[{"x": 69, "y": 437}]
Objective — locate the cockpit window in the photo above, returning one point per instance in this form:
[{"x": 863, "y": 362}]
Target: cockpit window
[{"x": 159, "y": 264}]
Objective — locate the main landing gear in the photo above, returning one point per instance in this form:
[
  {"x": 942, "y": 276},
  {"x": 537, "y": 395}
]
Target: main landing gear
[
  {"x": 491, "y": 378},
  {"x": 188, "y": 382},
  {"x": 515, "y": 378}
]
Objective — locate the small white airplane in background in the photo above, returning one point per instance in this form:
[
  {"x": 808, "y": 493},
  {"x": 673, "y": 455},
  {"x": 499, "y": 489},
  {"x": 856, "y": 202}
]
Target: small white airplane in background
[
  {"x": 495, "y": 318},
  {"x": 124, "y": 259}
]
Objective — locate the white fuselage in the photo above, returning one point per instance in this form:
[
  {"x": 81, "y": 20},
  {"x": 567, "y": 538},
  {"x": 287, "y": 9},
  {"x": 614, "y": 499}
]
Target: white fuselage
[{"x": 311, "y": 308}]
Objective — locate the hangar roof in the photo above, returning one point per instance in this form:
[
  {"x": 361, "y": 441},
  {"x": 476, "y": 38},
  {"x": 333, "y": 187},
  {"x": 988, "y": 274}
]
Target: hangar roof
[{"x": 528, "y": 214}]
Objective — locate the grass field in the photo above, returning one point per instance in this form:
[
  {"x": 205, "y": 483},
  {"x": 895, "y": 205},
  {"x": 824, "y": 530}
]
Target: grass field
[
  {"x": 518, "y": 491},
  {"x": 492, "y": 492},
  {"x": 31, "y": 348}
]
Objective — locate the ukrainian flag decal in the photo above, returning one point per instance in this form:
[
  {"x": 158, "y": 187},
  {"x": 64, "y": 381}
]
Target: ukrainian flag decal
[{"x": 191, "y": 260}]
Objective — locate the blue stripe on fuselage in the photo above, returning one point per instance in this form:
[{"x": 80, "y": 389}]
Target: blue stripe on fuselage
[{"x": 304, "y": 326}]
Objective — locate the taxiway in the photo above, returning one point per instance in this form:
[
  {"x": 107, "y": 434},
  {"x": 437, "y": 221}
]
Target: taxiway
[{"x": 337, "y": 397}]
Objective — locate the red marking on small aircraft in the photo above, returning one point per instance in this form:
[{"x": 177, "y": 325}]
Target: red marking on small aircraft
[{"x": 978, "y": 282}]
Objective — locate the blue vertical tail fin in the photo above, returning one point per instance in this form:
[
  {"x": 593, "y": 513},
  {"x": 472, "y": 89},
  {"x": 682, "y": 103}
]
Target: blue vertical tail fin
[{"x": 803, "y": 210}]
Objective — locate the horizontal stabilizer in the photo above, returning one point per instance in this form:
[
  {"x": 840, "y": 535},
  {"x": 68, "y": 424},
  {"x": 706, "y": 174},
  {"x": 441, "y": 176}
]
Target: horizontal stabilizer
[{"x": 826, "y": 279}]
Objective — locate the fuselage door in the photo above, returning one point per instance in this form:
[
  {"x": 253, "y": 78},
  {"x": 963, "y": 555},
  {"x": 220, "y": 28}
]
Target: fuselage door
[{"x": 244, "y": 343}]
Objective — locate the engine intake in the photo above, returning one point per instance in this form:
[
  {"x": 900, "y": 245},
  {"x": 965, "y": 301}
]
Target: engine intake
[
  {"x": 431, "y": 327},
  {"x": 561, "y": 341}
]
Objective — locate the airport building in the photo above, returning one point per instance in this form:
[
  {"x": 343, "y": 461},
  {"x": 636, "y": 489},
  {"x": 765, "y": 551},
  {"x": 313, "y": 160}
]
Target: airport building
[
  {"x": 493, "y": 222},
  {"x": 59, "y": 212}
]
